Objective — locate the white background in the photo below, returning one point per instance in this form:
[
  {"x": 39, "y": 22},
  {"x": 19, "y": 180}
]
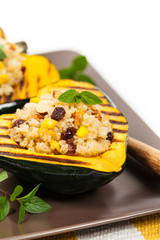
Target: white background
[{"x": 121, "y": 39}]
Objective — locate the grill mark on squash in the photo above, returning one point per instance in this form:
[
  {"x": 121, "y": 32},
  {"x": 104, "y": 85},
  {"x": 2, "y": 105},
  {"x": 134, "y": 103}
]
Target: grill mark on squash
[
  {"x": 8, "y": 98},
  {"x": 118, "y": 122},
  {"x": 37, "y": 157},
  {"x": 117, "y": 140},
  {"x": 4, "y": 128},
  {"x": 119, "y": 130},
  {"x": 9, "y": 119},
  {"x": 106, "y": 105},
  {"x": 21, "y": 84},
  {"x": 83, "y": 88},
  {"x": 10, "y": 146},
  {"x": 4, "y": 136},
  {"x": 103, "y": 97},
  {"x": 112, "y": 113}
]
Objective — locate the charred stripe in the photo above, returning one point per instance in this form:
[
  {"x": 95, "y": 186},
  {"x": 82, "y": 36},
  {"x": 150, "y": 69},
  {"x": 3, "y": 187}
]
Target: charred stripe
[
  {"x": 4, "y": 136},
  {"x": 9, "y": 119},
  {"x": 118, "y": 122},
  {"x": 10, "y": 145},
  {"x": 106, "y": 105},
  {"x": 117, "y": 140},
  {"x": 84, "y": 88},
  {"x": 112, "y": 113},
  {"x": 45, "y": 158},
  {"x": 3, "y": 127},
  {"x": 119, "y": 130}
]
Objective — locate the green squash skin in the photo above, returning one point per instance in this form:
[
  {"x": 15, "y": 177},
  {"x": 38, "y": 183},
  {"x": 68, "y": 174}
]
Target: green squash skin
[
  {"x": 11, "y": 107},
  {"x": 66, "y": 180},
  {"x": 58, "y": 178}
]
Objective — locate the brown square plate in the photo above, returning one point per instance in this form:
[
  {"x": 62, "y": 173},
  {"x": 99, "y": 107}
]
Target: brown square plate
[{"x": 135, "y": 193}]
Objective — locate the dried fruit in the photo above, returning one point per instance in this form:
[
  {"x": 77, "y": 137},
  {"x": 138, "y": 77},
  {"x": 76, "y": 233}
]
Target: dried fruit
[
  {"x": 71, "y": 146},
  {"x": 68, "y": 134},
  {"x": 109, "y": 136},
  {"x": 58, "y": 113},
  {"x": 18, "y": 122}
]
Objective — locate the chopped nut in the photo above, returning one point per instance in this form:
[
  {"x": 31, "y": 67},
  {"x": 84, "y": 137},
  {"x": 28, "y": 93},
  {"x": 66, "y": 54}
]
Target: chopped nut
[
  {"x": 38, "y": 117},
  {"x": 97, "y": 114},
  {"x": 77, "y": 115},
  {"x": 43, "y": 107}
]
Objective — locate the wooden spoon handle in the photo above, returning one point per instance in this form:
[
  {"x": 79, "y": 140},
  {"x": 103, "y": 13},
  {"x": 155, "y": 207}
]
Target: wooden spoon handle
[{"x": 146, "y": 154}]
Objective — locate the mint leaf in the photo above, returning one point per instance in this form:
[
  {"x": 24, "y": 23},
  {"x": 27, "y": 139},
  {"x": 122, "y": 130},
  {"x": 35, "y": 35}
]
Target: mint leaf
[
  {"x": 3, "y": 176},
  {"x": 2, "y": 54},
  {"x": 75, "y": 71},
  {"x": 17, "y": 191},
  {"x": 86, "y": 97},
  {"x": 78, "y": 98},
  {"x": 66, "y": 73},
  {"x": 37, "y": 205},
  {"x": 22, "y": 210},
  {"x": 4, "y": 208},
  {"x": 79, "y": 63},
  {"x": 29, "y": 195},
  {"x": 68, "y": 96},
  {"x": 90, "y": 98},
  {"x": 85, "y": 78}
]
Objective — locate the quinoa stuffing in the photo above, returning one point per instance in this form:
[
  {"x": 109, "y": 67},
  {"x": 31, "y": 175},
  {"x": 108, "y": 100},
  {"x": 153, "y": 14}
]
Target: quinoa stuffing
[
  {"x": 47, "y": 125},
  {"x": 11, "y": 69}
]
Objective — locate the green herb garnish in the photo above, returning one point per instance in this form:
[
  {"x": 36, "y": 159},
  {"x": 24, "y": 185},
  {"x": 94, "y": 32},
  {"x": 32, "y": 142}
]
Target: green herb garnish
[
  {"x": 28, "y": 203},
  {"x": 2, "y": 54},
  {"x": 86, "y": 97},
  {"x": 75, "y": 71}
]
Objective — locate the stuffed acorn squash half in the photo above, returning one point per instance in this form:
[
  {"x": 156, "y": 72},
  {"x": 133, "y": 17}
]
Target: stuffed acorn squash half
[
  {"x": 70, "y": 138},
  {"x": 21, "y": 75}
]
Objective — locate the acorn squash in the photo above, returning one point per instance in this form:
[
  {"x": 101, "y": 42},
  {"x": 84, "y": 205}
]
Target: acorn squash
[
  {"x": 37, "y": 72},
  {"x": 65, "y": 174},
  {"x": 2, "y": 34}
]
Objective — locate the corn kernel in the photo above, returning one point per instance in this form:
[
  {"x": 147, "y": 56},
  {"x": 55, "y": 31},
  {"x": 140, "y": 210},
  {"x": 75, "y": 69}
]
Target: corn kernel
[
  {"x": 81, "y": 111},
  {"x": 4, "y": 78},
  {"x": 9, "y": 124},
  {"x": 55, "y": 145},
  {"x": 48, "y": 123},
  {"x": 82, "y": 132},
  {"x": 35, "y": 99},
  {"x": 1, "y": 65},
  {"x": 43, "y": 131}
]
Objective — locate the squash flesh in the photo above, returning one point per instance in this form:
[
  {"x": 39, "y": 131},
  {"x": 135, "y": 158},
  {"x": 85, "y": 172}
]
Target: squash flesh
[
  {"x": 111, "y": 160},
  {"x": 39, "y": 71}
]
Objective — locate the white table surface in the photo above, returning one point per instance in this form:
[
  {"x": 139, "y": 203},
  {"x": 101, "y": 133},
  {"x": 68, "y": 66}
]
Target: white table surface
[{"x": 121, "y": 39}]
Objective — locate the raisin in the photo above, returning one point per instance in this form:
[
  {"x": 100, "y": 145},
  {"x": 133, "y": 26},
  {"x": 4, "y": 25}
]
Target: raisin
[
  {"x": 68, "y": 134},
  {"x": 71, "y": 146},
  {"x": 18, "y": 122},
  {"x": 23, "y": 69},
  {"x": 109, "y": 136},
  {"x": 58, "y": 113}
]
